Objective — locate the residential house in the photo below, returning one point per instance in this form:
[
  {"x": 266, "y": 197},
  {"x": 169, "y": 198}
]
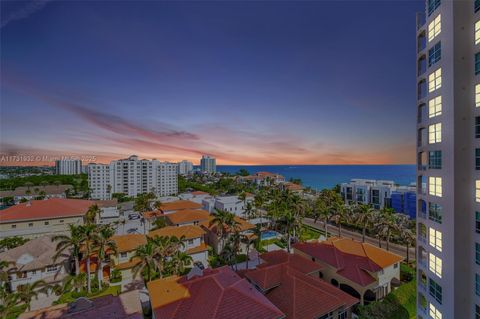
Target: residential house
[
  {"x": 174, "y": 206},
  {"x": 38, "y": 218},
  {"x": 34, "y": 261},
  {"x": 124, "y": 306},
  {"x": 195, "y": 196},
  {"x": 122, "y": 260},
  {"x": 33, "y": 192},
  {"x": 231, "y": 204},
  {"x": 187, "y": 217},
  {"x": 293, "y": 284},
  {"x": 109, "y": 212},
  {"x": 211, "y": 294},
  {"x": 264, "y": 179},
  {"x": 366, "y": 272},
  {"x": 192, "y": 237},
  {"x": 293, "y": 187}
]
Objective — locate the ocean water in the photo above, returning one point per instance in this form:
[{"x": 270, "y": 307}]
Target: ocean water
[{"x": 327, "y": 176}]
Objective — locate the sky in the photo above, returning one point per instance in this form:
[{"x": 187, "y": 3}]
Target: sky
[{"x": 249, "y": 82}]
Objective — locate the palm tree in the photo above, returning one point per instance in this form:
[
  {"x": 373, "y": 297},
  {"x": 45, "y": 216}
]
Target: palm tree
[
  {"x": 364, "y": 217},
  {"x": 249, "y": 210},
  {"x": 103, "y": 242},
  {"x": 8, "y": 301},
  {"x": 248, "y": 241},
  {"x": 27, "y": 292},
  {"x": 157, "y": 205},
  {"x": 179, "y": 261},
  {"x": 70, "y": 283},
  {"x": 89, "y": 234},
  {"x": 92, "y": 213},
  {"x": 5, "y": 270},
  {"x": 387, "y": 224},
  {"x": 243, "y": 198},
  {"x": 338, "y": 216},
  {"x": 220, "y": 222},
  {"x": 159, "y": 223},
  {"x": 147, "y": 261},
  {"x": 259, "y": 201},
  {"x": 70, "y": 245}
]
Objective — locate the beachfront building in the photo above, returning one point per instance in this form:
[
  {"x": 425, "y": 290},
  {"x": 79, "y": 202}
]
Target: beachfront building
[
  {"x": 192, "y": 237},
  {"x": 208, "y": 164},
  {"x": 293, "y": 284},
  {"x": 131, "y": 177},
  {"x": 33, "y": 192},
  {"x": 366, "y": 272},
  {"x": 68, "y": 167},
  {"x": 212, "y": 293},
  {"x": 185, "y": 167},
  {"x": 34, "y": 261},
  {"x": 38, "y": 218},
  {"x": 263, "y": 179},
  {"x": 448, "y": 149}
]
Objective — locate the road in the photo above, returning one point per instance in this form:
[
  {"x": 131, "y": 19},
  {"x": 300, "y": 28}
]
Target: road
[{"x": 333, "y": 230}]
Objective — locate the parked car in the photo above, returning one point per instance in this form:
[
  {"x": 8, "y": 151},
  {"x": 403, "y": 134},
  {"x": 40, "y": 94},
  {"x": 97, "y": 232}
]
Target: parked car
[
  {"x": 199, "y": 265},
  {"x": 132, "y": 230},
  {"x": 133, "y": 216}
]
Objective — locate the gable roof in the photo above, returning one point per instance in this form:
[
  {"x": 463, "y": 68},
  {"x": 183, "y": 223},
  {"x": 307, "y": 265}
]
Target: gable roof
[
  {"x": 179, "y": 205},
  {"x": 37, "y": 253},
  {"x": 129, "y": 242},
  {"x": 45, "y": 209},
  {"x": 242, "y": 224},
  {"x": 218, "y": 294},
  {"x": 188, "y": 216},
  {"x": 353, "y": 260},
  {"x": 189, "y": 231},
  {"x": 292, "y": 290}
]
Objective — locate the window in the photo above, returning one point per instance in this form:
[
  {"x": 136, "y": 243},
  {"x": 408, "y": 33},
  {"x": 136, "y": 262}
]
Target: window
[
  {"x": 477, "y": 191},
  {"x": 432, "y": 5},
  {"x": 477, "y": 126},
  {"x": 434, "y": 312},
  {"x": 477, "y": 222},
  {"x": 46, "y": 223},
  {"x": 477, "y": 284},
  {"x": 435, "y": 80},
  {"x": 435, "y": 265},
  {"x": 435, "y": 290},
  {"x": 477, "y": 94},
  {"x": 190, "y": 241},
  {"x": 123, "y": 255},
  {"x": 14, "y": 226},
  {"x": 435, "y": 27},
  {"x": 477, "y": 158},
  {"x": 434, "y": 54},
  {"x": 477, "y": 307},
  {"x": 477, "y": 63},
  {"x": 395, "y": 266},
  {"x": 435, "y": 107},
  {"x": 435, "y": 186},
  {"x": 435, "y": 212},
  {"x": 30, "y": 224},
  {"x": 51, "y": 268},
  {"x": 435, "y": 159},
  {"x": 435, "y": 238},
  {"x": 477, "y": 32},
  {"x": 435, "y": 133},
  {"x": 477, "y": 253}
]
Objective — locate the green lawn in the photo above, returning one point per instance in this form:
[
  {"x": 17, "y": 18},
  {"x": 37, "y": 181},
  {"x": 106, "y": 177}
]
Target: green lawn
[
  {"x": 407, "y": 297},
  {"x": 309, "y": 233},
  {"x": 72, "y": 296}
]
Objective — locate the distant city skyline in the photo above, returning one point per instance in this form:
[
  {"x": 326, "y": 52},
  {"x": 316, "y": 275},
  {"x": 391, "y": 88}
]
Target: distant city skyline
[{"x": 246, "y": 82}]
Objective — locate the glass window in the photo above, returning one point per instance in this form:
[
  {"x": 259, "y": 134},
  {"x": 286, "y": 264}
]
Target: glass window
[
  {"x": 434, "y": 312},
  {"x": 435, "y": 107},
  {"x": 435, "y": 80},
  {"x": 432, "y": 5},
  {"x": 477, "y": 63},
  {"x": 477, "y": 222},
  {"x": 477, "y": 126},
  {"x": 477, "y": 191},
  {"x": 434, "y": 28},
  {"x": 435, "y": 186},
  {"x": 435, "y": 133},
  {"x": 477, "y": 284},
  {"x": 435, "y": 290},
  {"x": 477, "y": 32},
  {"x": 434, "y": 54},
  {"x": 435, "y": 159},
  {"x": 435, "y": 265},
  {"x": 477, "y": 94},
  {"x": 477, "y": 158},
  {"x": 435, "y": 212},
  {"x": 435, "y": 238},
  {"x": 477, "y": 253},
  {"x": 477, "y": 307}
]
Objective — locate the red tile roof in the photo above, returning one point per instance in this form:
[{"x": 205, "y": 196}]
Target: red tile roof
[
  {"x": 45, "y": 209},
  {"x": 218, "y": 294},
  {"x": 179, "y": 205},
  {"x": 296, "y": 293},
  {"x": 349, "y": 263}
]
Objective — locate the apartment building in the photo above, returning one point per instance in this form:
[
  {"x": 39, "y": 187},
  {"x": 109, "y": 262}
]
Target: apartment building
[
  {"x": 68, "y": 167},
  {"x": 185, "y": 167},
  {"x": 208, "y": 164},
  {"x": 131, "y": 177},
  {"x": 231, "y": 204},
  {"x": 448, "y": 149}
]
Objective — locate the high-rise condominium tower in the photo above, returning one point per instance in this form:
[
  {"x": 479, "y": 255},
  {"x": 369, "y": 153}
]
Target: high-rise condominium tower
[
  {"x": 185, "y": 167},
  {"x": 68, "y": 167},
  {"x": 132, "y": 177},
  {"x": 208, "y": 164},
  {"x": 448, "y": 150}
]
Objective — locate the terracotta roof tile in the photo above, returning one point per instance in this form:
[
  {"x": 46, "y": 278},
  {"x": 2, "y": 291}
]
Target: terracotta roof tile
[
  {"x": 129, "y": 242},
  {"x": 179, "y": 205},
  {"x": 188, "y": 216},
  {"x": 188, "y": 231}
]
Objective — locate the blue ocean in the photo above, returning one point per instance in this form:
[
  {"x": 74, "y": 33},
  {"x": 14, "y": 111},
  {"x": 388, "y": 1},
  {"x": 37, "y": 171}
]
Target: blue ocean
[{"x": 327, "y": 176}]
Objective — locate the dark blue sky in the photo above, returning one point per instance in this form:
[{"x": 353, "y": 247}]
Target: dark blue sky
[{"x": 250, "y": 82}]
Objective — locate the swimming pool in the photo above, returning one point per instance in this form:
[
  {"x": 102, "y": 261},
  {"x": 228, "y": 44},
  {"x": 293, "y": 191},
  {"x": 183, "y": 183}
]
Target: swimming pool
[{"x": 269, "y": 234}]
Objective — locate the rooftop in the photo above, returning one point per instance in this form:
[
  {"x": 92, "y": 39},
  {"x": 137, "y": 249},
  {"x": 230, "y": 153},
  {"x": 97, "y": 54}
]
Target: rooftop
[
  {"x": 243, "y": 224},
  {"x": 48, "y": 189},
  {"x": 188, "y": 216},
  {"x": 179, "y": 205},
  {"x": 129, "y": 242},
  {"x": 217, "y": 294},
  {"x": 45, "y": 209},
  {"x": 289, "y": 286},
  {"x": 187, "y": 231}
]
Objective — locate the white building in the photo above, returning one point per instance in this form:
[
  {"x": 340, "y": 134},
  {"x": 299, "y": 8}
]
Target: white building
[
  {"x": 448, "y": 153},
  {"x": 185, "y": 167},
  {"x": 131, "y": 177},
  {"x": 68, "y": 167},
  {"x": 208, "y": 164},
  {"x": 231, "y": 204},
  {"x": 367, "y": 191}
]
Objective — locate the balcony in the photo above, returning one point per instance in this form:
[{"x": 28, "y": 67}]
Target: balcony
[
  {"x": 421, "y": 20},
  {"x": 422, "y": 89},
  {"x": 422, "y": 209},
  {"x": 421, "y": 65},
  {"x": 422, "y": 113}
]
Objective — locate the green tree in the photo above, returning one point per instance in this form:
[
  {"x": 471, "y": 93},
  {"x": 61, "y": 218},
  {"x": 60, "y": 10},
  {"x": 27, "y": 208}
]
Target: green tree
[
  {"x": 70, "y": 245},
  {"x": 146, "y": 255},
  {"x": 89, "y": 234},
  {"x": 104, "y": 243},
  {"x": 364, "y": 217},
  {"x": 179, "y": 261},
  {"x": 27, "y": 292},
  {"x": 92, "y": 213}
]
